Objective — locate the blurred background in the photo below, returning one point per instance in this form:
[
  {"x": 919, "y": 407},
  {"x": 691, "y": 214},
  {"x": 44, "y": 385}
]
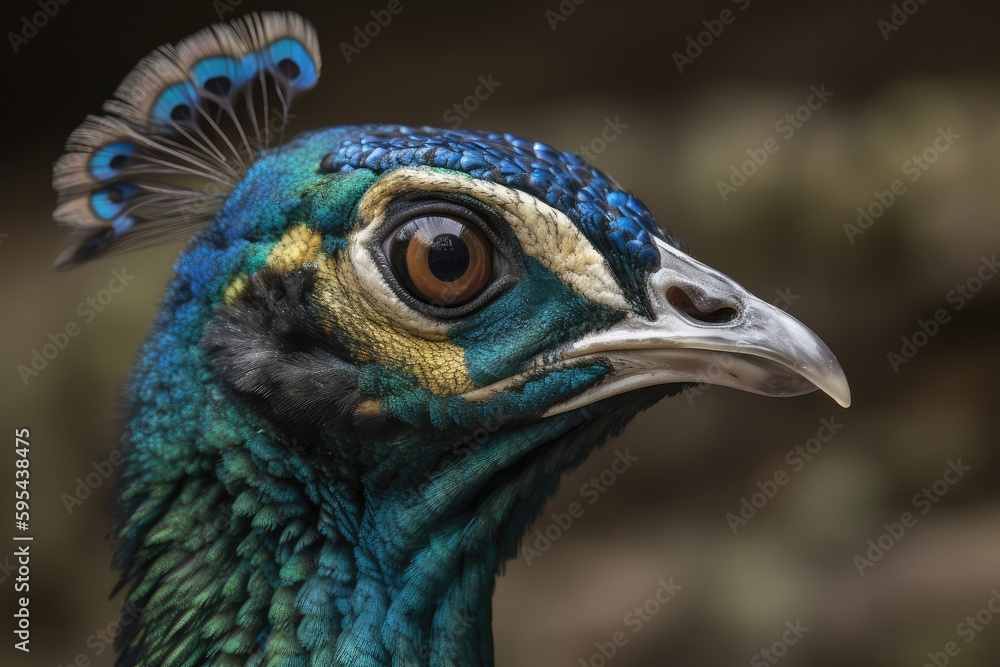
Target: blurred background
[{"x": 672, "y": 100}]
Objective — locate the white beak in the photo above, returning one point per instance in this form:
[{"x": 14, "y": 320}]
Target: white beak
[{"x": 708, "y": 329}]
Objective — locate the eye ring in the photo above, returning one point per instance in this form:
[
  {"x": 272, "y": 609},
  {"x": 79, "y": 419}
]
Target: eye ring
[{"x": 441, "y": 257}]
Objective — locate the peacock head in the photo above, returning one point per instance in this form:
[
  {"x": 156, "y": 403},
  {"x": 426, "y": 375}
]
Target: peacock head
[
  {"x": 381, "y": 283},
  {"x": 445, "y": 279},
  {"x": 440, "y": 322},
  {"x": 410, "y": 279}
]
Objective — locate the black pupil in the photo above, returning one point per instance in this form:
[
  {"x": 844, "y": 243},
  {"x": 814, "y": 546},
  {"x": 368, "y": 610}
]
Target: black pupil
[
  {"x": 448, "y": 257},
  {"x": 118, "y": 161},
  {"x": 289, "y": 68}
]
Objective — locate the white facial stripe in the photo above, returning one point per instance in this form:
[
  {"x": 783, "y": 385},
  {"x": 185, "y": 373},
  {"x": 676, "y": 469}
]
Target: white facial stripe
[{"x": 544, "y": 233}]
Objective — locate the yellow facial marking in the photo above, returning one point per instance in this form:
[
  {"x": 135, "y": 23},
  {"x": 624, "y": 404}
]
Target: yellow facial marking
[
  {"x": 438, "y": 364},
  {"x": 235, "y": 287},
  {"x": 298, "y": 246},
  {"x": 356, "y": 297}
]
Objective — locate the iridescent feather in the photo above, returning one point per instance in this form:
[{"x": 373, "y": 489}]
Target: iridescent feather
[{"x": 180, "y": 132}]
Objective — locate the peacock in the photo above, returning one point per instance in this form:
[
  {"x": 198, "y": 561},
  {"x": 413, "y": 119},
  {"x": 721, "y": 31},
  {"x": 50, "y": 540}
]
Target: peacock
[{"x": 382, "y": 348}]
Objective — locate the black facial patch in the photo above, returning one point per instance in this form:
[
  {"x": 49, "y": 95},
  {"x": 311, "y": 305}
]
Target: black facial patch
[{"x": 270, "y": 347}]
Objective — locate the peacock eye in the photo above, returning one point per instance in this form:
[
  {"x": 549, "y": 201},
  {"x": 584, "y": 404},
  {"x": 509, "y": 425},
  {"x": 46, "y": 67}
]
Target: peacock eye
[
  {"x": 445, "y": 257},
  {"x": 442, "y": 259}
]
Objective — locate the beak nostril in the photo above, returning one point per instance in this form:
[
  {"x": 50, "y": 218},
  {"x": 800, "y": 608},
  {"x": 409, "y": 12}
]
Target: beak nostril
[{"x": 680, "y": 300}]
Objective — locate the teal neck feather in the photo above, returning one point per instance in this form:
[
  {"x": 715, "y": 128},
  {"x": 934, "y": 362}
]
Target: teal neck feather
[{"x": 258, "y": 549}]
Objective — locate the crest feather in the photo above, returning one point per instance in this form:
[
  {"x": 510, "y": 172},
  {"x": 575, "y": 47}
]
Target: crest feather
[{"x": 180, "y": 132}]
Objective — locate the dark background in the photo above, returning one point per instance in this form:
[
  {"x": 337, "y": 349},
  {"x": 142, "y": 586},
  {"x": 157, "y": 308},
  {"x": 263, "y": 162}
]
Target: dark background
[{"x": 698, "y": 454}]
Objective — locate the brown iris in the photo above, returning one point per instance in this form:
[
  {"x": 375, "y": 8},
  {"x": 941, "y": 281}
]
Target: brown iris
[{"x": 442, "y": 260}]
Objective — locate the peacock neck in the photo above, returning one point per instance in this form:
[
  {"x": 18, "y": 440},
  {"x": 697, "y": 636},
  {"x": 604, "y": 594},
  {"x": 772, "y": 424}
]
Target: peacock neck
[
  {"x": 287, "y": 551},
  {"x": 426, "y": 547}
]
